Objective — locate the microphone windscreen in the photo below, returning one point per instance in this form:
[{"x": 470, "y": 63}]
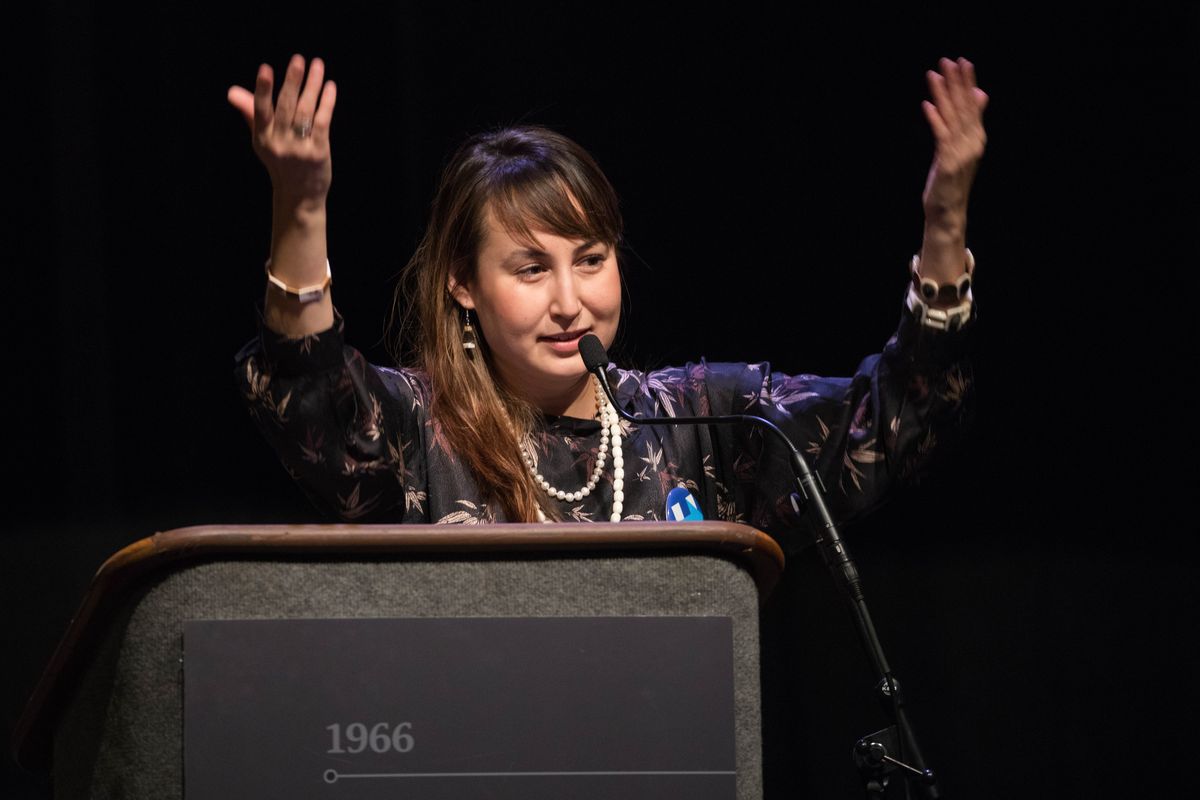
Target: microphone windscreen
[{"x": 593, "y": 353}]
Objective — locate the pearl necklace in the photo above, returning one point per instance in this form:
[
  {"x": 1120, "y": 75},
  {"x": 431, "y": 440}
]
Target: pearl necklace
[{"x": 610, "y": 430}]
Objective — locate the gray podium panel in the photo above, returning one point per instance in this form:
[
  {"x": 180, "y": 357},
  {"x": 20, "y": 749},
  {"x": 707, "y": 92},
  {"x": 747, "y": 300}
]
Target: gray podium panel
[
  {"x": 526, "y": 708},
  {"x": 122, "y": 733}
]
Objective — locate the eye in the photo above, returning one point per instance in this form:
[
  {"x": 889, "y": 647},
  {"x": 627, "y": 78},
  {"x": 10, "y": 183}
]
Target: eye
[
  {"x": 530, "y": 272},
  {"x": 595, "y": 259}
]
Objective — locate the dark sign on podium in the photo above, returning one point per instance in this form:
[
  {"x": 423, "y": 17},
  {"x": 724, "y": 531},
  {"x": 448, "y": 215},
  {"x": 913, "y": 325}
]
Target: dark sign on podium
[{"x": 546, "y": 707}]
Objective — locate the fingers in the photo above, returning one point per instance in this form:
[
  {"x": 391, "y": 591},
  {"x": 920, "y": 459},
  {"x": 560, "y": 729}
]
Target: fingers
[
  {"x": 937, "y": 90},
  {"x": 936, "y": 123},
  {"x": 306, "y": 105},
  {"x": 967, "y": 71},
  {"x": 955, "y": 89},
  {"x": 955, "y": 118},
  {"x": 256, "y": 107},
  {"x": 243, "y": 101},
  {"x": 296, "y": 120},
  {"x": 981, "y": 98},
  {"x": 324, "y": 113},
  {"x": 285, "y": 105},
  {"x": 977, "y": 95},
  {"x": 942, "y": 93},
  {"x": 972, "y": 98},
  {"x": 957, "y": 100},
  {"x": 264, "y": 113}
]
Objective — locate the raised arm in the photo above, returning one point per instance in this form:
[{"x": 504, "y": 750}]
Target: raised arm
[
  {"x": 291, "y": 138},
  {"x": 955, "y": 116}
]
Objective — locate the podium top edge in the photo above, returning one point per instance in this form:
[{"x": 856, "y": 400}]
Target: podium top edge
[
  {"x": 760, "y": 553},
  {"x": 454, "y": 539}
]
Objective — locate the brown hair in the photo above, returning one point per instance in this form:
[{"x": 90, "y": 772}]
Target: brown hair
[{"x": 532, "y": 179}]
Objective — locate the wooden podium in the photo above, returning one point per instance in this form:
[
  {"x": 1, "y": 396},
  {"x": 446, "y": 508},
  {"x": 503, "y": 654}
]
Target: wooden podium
[{"x": 107, "y": 717}]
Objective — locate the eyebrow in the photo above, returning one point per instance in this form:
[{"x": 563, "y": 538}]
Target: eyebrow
[{"x": 528, "y": 252}]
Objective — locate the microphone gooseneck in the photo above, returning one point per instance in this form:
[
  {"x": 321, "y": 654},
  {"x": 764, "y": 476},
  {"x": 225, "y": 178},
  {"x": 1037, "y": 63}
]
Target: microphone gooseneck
[
  {"x": 809, "y": 497},
  {"x": 808, "y": 483}
]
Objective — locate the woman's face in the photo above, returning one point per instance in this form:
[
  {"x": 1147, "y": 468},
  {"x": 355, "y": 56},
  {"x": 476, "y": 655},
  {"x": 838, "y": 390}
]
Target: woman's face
[{"x": 534, "y": 304}]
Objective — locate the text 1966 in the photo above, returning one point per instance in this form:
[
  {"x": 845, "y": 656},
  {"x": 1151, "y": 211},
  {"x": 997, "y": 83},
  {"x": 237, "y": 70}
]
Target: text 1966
[{"x": 382, "y": 737}]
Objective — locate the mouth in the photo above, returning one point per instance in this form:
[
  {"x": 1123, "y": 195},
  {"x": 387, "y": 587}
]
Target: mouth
[
  {"x": 566, "y": 343},
  {"x": 567, "y": 336}
]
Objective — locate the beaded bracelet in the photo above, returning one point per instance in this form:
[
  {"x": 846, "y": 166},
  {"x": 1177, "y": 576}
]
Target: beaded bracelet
[
  {"x": 930, "y": 291},
  {"x": 940, "y": 319}
]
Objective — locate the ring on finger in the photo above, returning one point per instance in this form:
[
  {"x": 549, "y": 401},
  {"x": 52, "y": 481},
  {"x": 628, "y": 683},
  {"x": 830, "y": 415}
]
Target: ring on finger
[{"x": 302, "y": 128}]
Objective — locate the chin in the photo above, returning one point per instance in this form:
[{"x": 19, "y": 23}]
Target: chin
[{"x": 570, "y": 368}]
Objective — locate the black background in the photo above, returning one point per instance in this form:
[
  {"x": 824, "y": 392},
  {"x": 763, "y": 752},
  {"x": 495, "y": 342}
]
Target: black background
[{"x": 1038, "y": 595}]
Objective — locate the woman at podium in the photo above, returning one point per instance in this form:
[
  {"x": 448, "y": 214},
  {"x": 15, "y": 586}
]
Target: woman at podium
[{"x": 495, "y": 418}]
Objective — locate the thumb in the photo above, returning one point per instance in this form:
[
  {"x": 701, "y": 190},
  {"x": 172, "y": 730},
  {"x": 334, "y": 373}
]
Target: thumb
[
  {"x": 981, "y": 98},
  {"x": 243, "y": 101}
]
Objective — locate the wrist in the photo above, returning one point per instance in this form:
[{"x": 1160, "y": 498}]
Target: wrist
[
  {"x": 945, "y": 225},
  {"x": 304, "y": 210}
]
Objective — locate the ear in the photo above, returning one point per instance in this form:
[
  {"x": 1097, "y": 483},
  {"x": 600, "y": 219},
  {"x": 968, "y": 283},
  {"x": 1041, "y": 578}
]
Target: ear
[{"x": 461, "y": 293}]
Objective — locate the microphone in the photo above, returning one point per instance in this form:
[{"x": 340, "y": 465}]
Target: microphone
[
  {"x": 595, "y": 360},
  {"x": 810, "y": 487}
]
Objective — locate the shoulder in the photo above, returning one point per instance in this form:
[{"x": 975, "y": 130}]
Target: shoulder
[
  {"x": 691, "y": 376},
  {"x": 408, "y": 382},
  {"x": 695, "y": 387}
]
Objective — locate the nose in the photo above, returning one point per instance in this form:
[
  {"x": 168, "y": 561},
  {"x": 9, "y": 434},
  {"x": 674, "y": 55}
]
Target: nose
[{"x": 565, "y": 304}]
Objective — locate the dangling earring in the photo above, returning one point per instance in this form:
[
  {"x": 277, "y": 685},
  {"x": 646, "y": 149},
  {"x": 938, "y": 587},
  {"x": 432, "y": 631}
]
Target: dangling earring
[{"x": 469, "y": 342}]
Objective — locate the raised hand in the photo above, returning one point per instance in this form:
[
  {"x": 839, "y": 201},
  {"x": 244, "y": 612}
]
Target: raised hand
[
  {"x": 291, "y": 135},
  {"x": 291, "y": 138},
  {"x": 955, "y": 116}
]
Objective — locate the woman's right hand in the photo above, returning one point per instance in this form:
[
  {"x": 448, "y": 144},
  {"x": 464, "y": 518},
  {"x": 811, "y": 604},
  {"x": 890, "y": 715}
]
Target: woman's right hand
[{"x": 291, "y": 136}]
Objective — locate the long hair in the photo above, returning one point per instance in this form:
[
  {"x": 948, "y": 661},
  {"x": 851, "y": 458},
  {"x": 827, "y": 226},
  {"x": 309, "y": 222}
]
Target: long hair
[{"x": 532, "y": 179}]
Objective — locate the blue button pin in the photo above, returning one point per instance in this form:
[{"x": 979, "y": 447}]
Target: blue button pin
[{"x": 682, "y": 507}]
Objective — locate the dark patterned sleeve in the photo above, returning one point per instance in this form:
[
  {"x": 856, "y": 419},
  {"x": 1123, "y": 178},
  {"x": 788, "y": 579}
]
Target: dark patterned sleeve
[
  {"x": 347, "y": 431},
  {"x": 866, "y": 435}
]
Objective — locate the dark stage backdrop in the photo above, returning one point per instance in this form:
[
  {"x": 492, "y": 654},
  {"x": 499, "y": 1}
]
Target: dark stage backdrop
[{"x": 1038, "y": 595}]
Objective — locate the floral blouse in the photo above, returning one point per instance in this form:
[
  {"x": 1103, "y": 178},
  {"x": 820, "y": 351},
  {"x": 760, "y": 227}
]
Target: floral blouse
[{"x": 360, "y": 441}]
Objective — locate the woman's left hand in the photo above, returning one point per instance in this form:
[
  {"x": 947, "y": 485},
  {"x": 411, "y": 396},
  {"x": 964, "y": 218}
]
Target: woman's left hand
[{"x": 956, "y": 118}]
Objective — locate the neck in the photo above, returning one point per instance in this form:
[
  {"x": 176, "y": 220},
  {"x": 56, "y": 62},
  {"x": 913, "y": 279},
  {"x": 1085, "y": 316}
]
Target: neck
[{"x": 577, "y": 400}]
